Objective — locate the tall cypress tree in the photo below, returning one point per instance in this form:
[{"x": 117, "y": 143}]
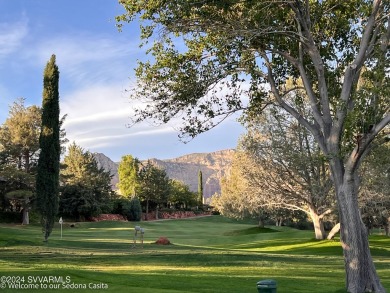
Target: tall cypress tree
[
  {"x": 47, "y": 184},
  {"x": 200, "y": 187}
]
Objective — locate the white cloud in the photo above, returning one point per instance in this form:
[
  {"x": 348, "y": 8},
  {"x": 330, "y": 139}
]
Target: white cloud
[
  {"x": 111, "y": 139},
  {"x": 97, "y": 117},
  {"x": 86, "y": 59},
  {"x": 97, "y": 107},
  {"x": 12, "y": 36}
]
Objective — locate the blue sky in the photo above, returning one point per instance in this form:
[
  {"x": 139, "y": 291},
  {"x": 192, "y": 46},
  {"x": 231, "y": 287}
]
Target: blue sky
[{"x": 96, "y": 64}]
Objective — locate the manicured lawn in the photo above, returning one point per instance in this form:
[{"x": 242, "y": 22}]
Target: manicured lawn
[{"x": 210, "y": 254}]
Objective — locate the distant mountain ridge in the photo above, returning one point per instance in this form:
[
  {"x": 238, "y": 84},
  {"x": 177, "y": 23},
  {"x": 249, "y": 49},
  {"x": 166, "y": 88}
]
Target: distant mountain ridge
[
  {"x": 109, "y": 165},
  {"x": 213, "y": 165}
]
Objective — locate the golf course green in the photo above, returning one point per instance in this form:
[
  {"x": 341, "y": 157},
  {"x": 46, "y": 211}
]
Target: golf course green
[{"x": 207, "y": 254}]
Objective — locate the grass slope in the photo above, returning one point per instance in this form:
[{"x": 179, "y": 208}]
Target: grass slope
[{"x": 211, "y": 254}]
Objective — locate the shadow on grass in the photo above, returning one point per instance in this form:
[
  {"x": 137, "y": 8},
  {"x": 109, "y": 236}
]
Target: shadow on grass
[{"x": 249, "y": 231}]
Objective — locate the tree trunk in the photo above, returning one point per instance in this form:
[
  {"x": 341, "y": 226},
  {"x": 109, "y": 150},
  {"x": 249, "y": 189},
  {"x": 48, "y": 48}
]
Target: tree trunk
[
  {"x": 26, "y": 219},
  {"x": 387, "y": 227},
  {"x": 26, "y": 208},
  {"x": 157, "y": 212},
  {"x": 361, "y": 275},
  {"x": 278, "y": 222},
  {"x": 318, "y": 223},
  {"x": 27, "y": 161},
  {"x": 333, "y": 232},
  {"x": 147, "y": 209}
]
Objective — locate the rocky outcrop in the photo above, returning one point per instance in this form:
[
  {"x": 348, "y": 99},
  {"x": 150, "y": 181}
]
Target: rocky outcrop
[
  {"x": 213, "y": 166},
  {"x": 107, "y": 164},
  {"x": 185, "y": 168}
]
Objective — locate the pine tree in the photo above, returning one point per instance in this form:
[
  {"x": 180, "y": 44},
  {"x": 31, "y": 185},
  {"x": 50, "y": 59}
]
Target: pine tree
[
  {"x": 49, "y": 141},
  {"x": 200, "y": 187},
  {"x": 85, "y": 187}
]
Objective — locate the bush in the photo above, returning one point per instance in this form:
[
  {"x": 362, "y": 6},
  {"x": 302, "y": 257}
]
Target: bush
[
  {"x": 17, "y": 217},
  {"x": 34, "y": 217},
  {"x": 10, "y": 217},
  {"x": 135, "y": 210},
  {"x": 121, "y": 206}
]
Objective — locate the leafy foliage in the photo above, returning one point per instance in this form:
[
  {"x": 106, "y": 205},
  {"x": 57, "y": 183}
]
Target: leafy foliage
[
  {"x": 154, "y": 185},
  {"x": 14, "y": 179},
  {"x": 180, "y": 195},
  {"x": 19, "y": 136},
  {"x": 128, "y": 176},
  {"x": 210, "y": 57},
  {"x": 121, "y": 206},
  {"x": 135, "y": 210},
  {"x": 78, "y": 202},
  {"x": 375, "y": 189},
  {"x": 86, "y": 188}
]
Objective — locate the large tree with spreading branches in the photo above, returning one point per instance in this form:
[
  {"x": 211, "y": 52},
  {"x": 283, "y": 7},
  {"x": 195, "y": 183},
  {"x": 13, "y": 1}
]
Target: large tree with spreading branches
[
  {"x": 284, "y": 168},
  {"x": 212, "y": 58}
]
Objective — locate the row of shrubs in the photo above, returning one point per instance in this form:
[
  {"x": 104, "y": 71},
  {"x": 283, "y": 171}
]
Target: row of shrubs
[
  {"x": 17, "y": 217},
  {"x": 130, "y": 210}
]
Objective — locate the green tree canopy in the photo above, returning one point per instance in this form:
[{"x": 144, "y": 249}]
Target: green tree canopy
[
  {"x": 86, "y": 188},
  {"x": 154, "y": 185},
  {"x": 128, "y": 176},
  {"x": 19, "y": 135},
  {"x": 180, "y": 195}
]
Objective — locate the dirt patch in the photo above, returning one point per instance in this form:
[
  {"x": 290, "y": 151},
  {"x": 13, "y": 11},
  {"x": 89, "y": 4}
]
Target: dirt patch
[{"x": 163, "y": 241}]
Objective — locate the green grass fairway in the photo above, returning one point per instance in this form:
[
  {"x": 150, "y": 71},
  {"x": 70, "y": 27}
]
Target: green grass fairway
[{"x": 209, "y": 254}]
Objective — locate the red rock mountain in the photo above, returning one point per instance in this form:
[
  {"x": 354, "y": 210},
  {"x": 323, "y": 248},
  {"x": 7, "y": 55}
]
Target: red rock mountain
[{"x": 185, "y": 168}]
